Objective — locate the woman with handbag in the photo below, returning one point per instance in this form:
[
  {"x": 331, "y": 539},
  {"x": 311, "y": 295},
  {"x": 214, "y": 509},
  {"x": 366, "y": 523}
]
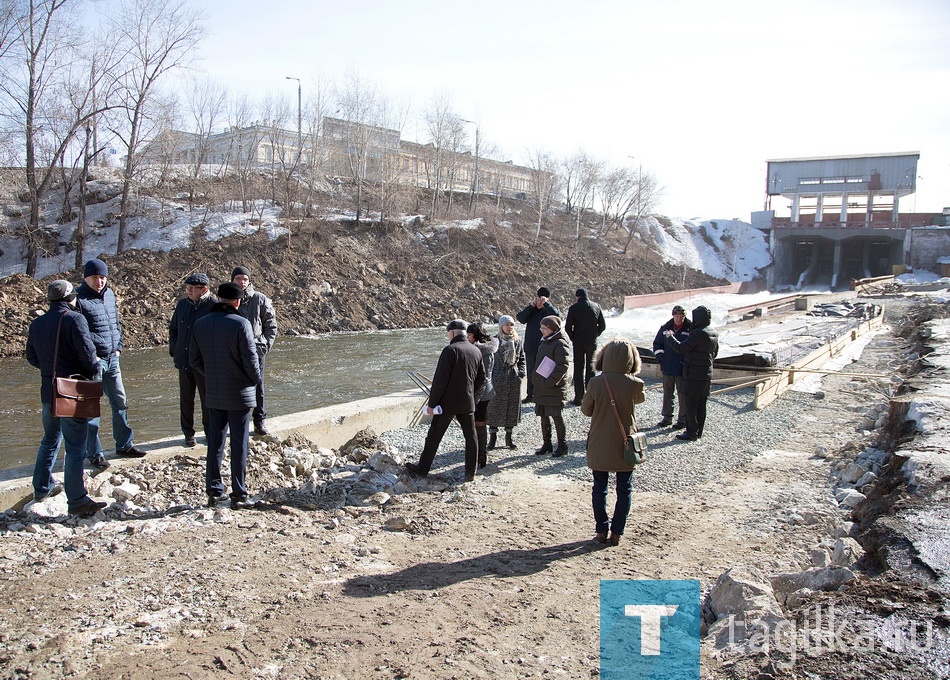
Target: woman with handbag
[{"x": 610, "y": 401}]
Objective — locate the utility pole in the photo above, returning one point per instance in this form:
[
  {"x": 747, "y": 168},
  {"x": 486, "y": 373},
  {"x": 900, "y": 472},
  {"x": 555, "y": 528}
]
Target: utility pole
[{"x": 299, "y": 119}]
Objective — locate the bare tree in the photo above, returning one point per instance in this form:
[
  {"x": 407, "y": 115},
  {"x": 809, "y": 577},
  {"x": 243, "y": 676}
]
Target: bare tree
[
  {"x": 157, "y": 36},
  {"x": 643, "y": 204},
  {"x": 446, "y": 132},
  {"x": 580, "y": 174},
  {"x": 246, "y": 136},
  {"x": 544, "y": 186},
  {"x": 51, "y": 93},
  {"x": 361, "y": 135},
  {"x": 206, "y": 102}
]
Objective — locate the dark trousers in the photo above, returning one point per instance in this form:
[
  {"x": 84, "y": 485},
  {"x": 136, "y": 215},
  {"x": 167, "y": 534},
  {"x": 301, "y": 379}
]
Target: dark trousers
[
  {"x": 437, "y": 428},
  {"x": 697, "y": 392},
  {"x": 598, "y": 498},
  {"x": 188, "y": 382},
  {"x": 671, "y": 384},
  {"x": 259, "y": 411},
  {"x": 530, "y": 355},
  {"x": 219, "y": 422},
  {"x": 583, "y": 369}
]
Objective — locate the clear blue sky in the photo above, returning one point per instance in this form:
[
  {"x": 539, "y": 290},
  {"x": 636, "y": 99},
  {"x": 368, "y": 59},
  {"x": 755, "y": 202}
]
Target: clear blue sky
[{"x": 702, "y": 93}]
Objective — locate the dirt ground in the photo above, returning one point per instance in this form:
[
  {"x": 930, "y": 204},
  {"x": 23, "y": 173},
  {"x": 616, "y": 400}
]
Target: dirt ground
[{"x": 494, "y": 579}]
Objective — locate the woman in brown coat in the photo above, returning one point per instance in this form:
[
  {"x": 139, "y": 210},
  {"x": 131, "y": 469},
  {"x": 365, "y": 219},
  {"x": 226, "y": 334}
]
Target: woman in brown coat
[{"x": 618, "y": 361}]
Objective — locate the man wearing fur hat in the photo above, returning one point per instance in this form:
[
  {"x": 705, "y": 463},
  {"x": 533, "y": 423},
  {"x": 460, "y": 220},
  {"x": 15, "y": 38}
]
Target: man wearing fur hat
[
  {"x": 96, "y": 301},
  {"x": 259, "y": 310},
  {"x": 458, "y": 376},
  {"x": 197, "y": 302},
  {"x": 531, "y": 317},
  {"x": 585, "y": 322}
]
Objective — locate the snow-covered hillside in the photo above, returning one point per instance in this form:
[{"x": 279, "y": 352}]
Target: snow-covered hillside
[{"x": 727, "y": 249}]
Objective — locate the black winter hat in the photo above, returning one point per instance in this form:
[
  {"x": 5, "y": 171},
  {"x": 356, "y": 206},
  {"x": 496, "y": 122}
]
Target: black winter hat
[
  {"x": 241, "y": 270},
  {"x": 544, "y": 292},
  {"x": 581, "y": 293},
  {"x": 230, "y": 291},
  {"x": 95, "y": 268}
]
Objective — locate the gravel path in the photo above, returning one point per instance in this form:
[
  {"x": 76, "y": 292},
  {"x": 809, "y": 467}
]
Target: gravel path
[{"x": 734, "y": 434}]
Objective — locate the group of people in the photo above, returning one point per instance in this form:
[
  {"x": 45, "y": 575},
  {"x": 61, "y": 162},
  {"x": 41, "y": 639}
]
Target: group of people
[
  {"x": 217, "y": 343},
  {"x": 478, "y": 379}
]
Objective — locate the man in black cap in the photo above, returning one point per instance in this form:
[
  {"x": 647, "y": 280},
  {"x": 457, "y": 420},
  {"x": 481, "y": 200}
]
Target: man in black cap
[
  {"x": 585, "y": 322},
  {"x": 62, "y": 336},
  {"x": 197, "y": 302},
  {"x": 458, "y": 375},
  {"x": 259, "y": 310},
  {"x": 531, "y": 317},
  {"x": 222, "y": 350},
  {"x": 671, "y": 366},
  {"x": 96, "y": 302}
]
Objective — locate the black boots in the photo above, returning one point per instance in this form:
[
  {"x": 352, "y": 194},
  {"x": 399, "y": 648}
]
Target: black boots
[
  {"x": 546, "y": 447},
  {"x": 481, "y": 434},
  {"x": 561, "y": 449},
  {"x": 509, "y": 442},
  {"x": 492, "y": 438}
]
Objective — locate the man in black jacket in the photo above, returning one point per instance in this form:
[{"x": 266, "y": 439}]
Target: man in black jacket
[
  {"x": 671, "y": 367},
  {"x": 699, "y": 349},
  {"x": 222, "y": 350},
  {"x": 585, "y": 323},
  {"x": 459, "y": 374},
  {"x": 63, "y": 335},
  {"x": 197, "y": 302},
  {"x": 531, "y": 317}
]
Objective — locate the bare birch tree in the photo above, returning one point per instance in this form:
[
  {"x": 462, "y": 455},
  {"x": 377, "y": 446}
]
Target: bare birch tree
[
  {"x": 157, "y": 37},
  {"x": 544, "y": 187}
]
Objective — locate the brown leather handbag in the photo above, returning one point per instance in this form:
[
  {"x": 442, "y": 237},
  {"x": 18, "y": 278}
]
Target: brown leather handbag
[
  {"x": 634, "y": 444},
  {"x": 73, "y": 397}
]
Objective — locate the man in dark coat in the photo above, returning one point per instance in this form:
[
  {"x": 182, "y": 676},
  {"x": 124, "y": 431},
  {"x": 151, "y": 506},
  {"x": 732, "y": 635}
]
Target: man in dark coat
[
  {"x": 458, "y": 375},
  {"x": 222, "y": 350},
  {"x": 671, "y": 366},
  {"x": 699, "y": 349},
  {"x": 197, "y": 302},
  {"x": 74, "y": 355},
  {"x": 259, "y": 310},
  {"x": 96, "y": 302},
  {"x": 531, "y": 317},
  {"x": 585, "y": 323}
]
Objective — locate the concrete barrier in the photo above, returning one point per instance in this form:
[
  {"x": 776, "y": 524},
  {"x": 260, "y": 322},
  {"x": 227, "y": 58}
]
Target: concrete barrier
[{"x": 329, "y": 427}]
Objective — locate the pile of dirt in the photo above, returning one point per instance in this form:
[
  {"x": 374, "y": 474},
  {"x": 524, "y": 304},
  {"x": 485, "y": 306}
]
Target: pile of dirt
[{"x": 333, "y": 276}]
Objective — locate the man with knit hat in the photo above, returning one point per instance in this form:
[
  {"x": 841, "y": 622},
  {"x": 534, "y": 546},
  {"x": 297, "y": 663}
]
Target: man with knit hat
[
  {"x": 222, "y": 350},
  {"x": 531, "y": 317},
  {"x": 258, "y": 309},
  {"x": 61, "y": 337},
  {"x": 96, "y": 301},
  {"x": 197, "y": 302},
  {"x": 458, "y": 375},
  {"x": 585, "y": 322}
]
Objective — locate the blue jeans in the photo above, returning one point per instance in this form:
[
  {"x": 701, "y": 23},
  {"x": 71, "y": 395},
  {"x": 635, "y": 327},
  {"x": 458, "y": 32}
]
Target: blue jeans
[
  {"x": 111, "y": 376},
  {"x": 621, "y": 508},
  {"x": 219, "y": 422},
  {"x": 73, "y": 430}
]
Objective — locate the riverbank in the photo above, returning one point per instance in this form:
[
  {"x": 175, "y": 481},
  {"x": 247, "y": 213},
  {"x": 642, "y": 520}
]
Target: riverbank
[{"x": 337, "y": 575}]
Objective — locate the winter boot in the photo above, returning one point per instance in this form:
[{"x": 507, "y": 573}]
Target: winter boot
[
  {"x": 481, "y": 434},
  {"x": 509, "y": 442},
  {"x": 546, "y": 447},
  {"x": 561, "y": 449},
  {"x": 492, "y": 438}
]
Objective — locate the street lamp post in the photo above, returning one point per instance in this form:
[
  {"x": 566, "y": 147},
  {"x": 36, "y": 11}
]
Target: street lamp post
[
  {"x": 299, "y": 118},
  {"x": 473, "y": 198}
]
